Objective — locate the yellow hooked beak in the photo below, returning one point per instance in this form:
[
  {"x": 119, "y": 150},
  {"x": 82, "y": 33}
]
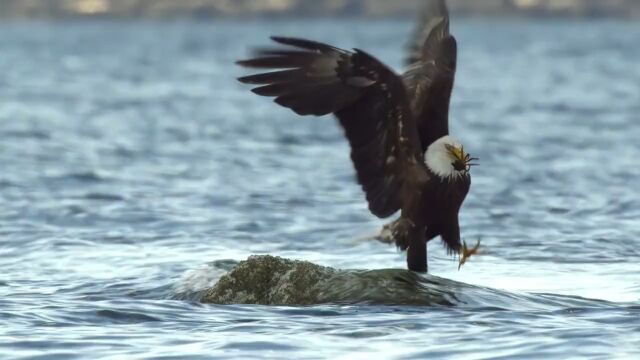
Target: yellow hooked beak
[{"x": 462, "y": 161}]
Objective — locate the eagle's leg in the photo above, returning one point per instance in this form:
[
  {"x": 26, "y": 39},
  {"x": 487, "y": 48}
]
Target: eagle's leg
[
  {"x": 410, "y": 237},
  {"x": 404, "y": 234},
  {"x": 417, "y": 247},
  {"x": 417, "y": 255}
]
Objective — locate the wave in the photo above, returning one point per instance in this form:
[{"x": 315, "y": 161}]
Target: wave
[{"x": 268, "y": 280}]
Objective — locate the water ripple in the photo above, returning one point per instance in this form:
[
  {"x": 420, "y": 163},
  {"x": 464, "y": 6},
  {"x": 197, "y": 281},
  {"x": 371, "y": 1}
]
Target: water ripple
[{"x": 130, "y": 163}]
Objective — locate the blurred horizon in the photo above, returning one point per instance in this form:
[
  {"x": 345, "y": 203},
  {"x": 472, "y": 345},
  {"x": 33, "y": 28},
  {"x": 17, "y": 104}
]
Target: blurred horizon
[{"x": 205, "y": 9}]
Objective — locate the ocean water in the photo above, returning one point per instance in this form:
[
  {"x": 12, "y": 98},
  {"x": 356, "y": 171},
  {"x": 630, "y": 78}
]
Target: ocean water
[{"x": 132, "y": 164}]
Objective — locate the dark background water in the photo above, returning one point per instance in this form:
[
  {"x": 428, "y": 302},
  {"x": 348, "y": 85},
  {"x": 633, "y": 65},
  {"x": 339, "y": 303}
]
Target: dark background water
[{"x": 130, "y": 159}]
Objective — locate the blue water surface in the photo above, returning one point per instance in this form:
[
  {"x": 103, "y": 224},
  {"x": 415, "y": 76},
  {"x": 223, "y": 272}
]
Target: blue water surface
[{"x": 131, "y": 159}]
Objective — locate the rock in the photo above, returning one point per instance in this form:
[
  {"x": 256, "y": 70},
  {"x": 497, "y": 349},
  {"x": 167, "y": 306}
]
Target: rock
[{"x": 269, "y": 280}]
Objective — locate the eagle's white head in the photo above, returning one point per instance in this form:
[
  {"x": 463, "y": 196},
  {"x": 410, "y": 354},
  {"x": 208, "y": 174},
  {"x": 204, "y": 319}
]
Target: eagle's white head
[{"x": 447, "y": 159}]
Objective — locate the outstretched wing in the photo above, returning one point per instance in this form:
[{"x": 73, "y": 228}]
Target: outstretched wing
[
  {"x": 434, "y": 16},
  {"x": 431, "y": 72},
  {"x": 369, "y": 100}
]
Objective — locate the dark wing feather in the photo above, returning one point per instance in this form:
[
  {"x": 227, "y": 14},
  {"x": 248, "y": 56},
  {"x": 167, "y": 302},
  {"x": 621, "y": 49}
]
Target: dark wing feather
[
  {"x": 369, "y": 100},
  {"x": 431, "y": 72},
  {"x": 434, "y": 16},
  {"x": 309, "y": 82}
]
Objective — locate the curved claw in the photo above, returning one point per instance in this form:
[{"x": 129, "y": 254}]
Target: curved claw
[{"x": 466, "y": 253}]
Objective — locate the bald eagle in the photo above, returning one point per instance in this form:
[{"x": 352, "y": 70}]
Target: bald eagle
[{"x": 397, "y": 126}]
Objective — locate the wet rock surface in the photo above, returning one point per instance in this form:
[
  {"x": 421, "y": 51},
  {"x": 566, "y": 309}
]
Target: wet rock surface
[{"x": 269, "y": 280}]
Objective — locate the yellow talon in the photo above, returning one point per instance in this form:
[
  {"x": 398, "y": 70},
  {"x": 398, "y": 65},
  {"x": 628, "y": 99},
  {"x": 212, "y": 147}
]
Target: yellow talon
[{"x": 466, "y": 253}]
